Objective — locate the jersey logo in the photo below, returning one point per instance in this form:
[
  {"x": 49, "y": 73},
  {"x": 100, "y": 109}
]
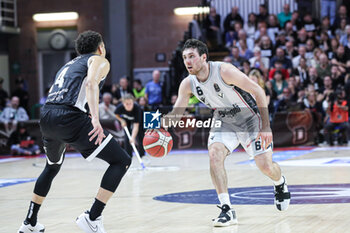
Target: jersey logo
[
  {"x": 202, "y": 99},
  {"x": 216, "y": 87}
]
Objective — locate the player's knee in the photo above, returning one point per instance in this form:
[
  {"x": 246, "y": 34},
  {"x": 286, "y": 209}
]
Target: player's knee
[
  {"x": 52, "y": 170},
  {"x": 217, "y": 154}
]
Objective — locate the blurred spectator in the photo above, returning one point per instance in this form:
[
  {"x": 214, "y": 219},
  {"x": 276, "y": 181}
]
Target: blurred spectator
[
  {"x": 323, "y": 68},
  {"x": 285, "y": 15},
  {"x": 143, "y": 104},
  {"x": 262, "y": 31},
  {"x": 334, "y": 47},
  {"x": 279, "y": 67},
  {"x": 120, "y": 91},
  {"x": 195, "y": 29},
  {"x": 291, "y": 52},
  {"x": 326, "y": 26},
  {"x": 329, "y": 8},
  {"x": 259, "y": 62},
  {"x": 251, "y": 26},
  {"x": 310, "y": 46},
  {"x": 338, "y": 112},
  {"x": 293, "y": 88},
  {"x": 314, "y": 80},
  {"x": 310, "y": 24},
  {"x": 324, "y": 42},
  {"x": 231, "y": 37},
  {"x": 314, "y": 105},
  {"x": 154, "y": 91},
  {"x": 231, "y": 19},
  {"x": 281, "y": 40},
  {"x": 295, "y": 21},
  {"x": 21, "y": 93},
  {"x": 285, "y": 102},
  {"x": 138, "y": 90},
  {"x": 3, "y": 95},
  {"x": 278, "y": 84},
  {"x": 342, "y": 14},
  {"x": 290, "y": 33},
  {"x": 301, "y": 37},
  {"x": 301, "y": 72},
  {"x": 242, "y": 35},
  {"x": 311, "y": 103},
  {"x": 338, "y": 79},
  {"x": 130, "y": 115},
  {"x": 263, "y": 14},
  {"x": 280, "y": 56},
  {"x": 106, "y": 108},
  {"x": 302, "y": 54},
  {"x": 341, "y": 31},
  {"x": 21, "y": 143},
  {"x": 273, "y": 27},
  {"x": 267, "y": 48},
  {"x": 327, "y": 88},
  {"x": 244, "y": 51},
  {"x": 340, "y": 58},
  {"x": 246, "y": 67},
  {"x": 236, "y": 59},
  {"x": 212, "y": 27},
  {"x": 12, "y": 115}
]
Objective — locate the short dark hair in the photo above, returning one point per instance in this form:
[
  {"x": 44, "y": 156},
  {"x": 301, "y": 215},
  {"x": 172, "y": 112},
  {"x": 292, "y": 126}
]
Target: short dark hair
[
  {"x": 87, "y": 42},
  {"x": 196, "y": 44}
]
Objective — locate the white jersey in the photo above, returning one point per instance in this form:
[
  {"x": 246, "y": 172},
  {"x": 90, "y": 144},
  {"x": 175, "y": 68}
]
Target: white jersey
[{"x": 232, "y": 105}]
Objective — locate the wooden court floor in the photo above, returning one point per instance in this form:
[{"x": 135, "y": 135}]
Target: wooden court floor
[{"x": 133, "y": 209}]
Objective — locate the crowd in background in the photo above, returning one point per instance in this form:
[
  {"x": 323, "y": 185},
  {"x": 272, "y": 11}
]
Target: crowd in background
[{"x": 301, "y": 62}]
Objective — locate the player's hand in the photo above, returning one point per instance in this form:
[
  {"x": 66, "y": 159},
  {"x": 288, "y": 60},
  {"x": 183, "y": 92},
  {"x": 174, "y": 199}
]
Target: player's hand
[
  {"x": 123, "y": 123},
  {"x": 97, "y": 131},
  {"x": 266, "y": 137},
  {"x": 132, "y": 140}
]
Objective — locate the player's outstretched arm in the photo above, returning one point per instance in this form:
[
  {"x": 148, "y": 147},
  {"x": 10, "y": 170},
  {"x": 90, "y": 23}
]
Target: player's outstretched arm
[
  {"x": 181, "y": 103},
  {"x": 231, "y": 75},
  {"x": 98, "y": 68}
]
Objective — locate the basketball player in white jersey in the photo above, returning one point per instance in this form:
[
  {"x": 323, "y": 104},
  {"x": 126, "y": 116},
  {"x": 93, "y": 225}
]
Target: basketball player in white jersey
[{"x": 240, "y": 104}]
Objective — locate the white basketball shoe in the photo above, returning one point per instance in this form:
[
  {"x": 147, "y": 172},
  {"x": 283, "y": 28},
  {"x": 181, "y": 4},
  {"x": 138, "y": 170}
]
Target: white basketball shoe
[
  {"x": 226, "y": 218},
  {"x": 89, "y": 226},
  {"x": 27, "y": 228}
]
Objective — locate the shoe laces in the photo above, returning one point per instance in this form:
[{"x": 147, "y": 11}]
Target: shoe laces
[{"x": 224, "y": 210}]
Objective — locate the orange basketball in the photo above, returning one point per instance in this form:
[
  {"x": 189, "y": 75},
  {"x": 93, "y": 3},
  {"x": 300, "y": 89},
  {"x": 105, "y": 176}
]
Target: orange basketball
[{"x": 157, "y": 142}]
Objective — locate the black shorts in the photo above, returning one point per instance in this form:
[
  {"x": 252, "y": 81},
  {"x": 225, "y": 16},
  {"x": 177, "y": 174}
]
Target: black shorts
[{"x": 61, "y": 125}]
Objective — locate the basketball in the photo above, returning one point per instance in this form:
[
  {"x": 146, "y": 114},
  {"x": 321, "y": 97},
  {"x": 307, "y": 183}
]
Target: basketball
[{"x": 157, "y": 142}]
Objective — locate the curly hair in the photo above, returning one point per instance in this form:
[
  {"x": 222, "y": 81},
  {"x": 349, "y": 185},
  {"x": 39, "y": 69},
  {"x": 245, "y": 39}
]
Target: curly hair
[
  {"x": 196, "y": 44},
  {"x": 87, "y": 42}
]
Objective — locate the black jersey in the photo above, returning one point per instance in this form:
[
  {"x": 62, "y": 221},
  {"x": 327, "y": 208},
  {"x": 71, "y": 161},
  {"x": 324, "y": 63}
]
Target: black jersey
[{"x": 69, "y": 87}]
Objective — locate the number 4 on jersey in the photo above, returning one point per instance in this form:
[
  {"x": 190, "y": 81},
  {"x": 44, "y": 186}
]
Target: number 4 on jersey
[{"x": 60, "y": 79}]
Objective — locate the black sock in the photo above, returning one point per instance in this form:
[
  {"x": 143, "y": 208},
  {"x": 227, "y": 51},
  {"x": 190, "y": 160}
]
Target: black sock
[
  {"x": 32, "y": 213},
  {"x": 96, "y": 209}
]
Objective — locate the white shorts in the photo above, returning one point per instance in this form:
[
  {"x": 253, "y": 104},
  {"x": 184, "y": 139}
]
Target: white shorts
[{"x": 232, "y": 139}]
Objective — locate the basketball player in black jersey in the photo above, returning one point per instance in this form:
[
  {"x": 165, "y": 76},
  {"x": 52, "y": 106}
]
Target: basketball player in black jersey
[{"x": 66, "y": 120}]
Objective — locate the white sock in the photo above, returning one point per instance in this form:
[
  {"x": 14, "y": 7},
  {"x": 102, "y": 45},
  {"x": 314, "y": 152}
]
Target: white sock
[
  {"x": 279, "y": 182},
  {"x": 224, "y": 198}
]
